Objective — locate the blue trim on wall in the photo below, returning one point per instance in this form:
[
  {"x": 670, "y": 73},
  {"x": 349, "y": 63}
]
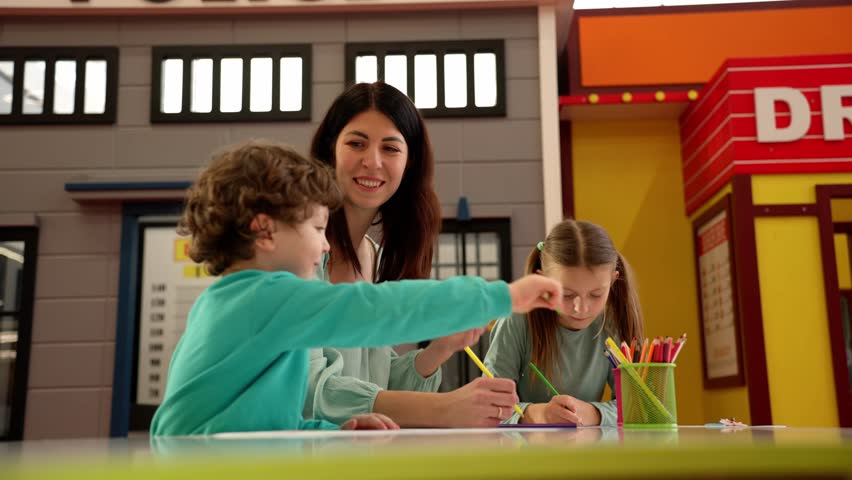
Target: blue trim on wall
[
  {"x": 125, "y": 331},
  {"x": 110, "y": 186}
]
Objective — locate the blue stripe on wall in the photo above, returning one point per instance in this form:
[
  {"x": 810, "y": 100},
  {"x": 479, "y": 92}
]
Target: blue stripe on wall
[{"x": 112, "y": 186}]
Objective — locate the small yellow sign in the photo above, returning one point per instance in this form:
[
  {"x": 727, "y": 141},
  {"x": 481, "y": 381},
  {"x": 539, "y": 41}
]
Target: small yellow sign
[
  {"x": 182, "y": 250},
  {"x": 191, "y": 271},
  {"x": 195, "y": 271}
]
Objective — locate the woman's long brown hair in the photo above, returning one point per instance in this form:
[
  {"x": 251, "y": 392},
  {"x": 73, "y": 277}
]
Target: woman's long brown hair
[{"x": 574, "y": 243}]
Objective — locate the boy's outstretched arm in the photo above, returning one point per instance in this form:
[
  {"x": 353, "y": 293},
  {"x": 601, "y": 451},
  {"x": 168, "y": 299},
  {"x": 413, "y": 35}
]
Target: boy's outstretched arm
[
  {"x": 317, "y": 314},
  {"x": 310, "y": 314}
]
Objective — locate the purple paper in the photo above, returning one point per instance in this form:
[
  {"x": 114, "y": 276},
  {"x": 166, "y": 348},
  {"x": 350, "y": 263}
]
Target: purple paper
[{"x": 538, "y": 425}]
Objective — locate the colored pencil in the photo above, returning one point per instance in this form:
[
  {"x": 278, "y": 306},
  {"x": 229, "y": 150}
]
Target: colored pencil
[
  {"x": 630, "y": 370},
  {"x": 546, "y": 296},
  {"x": 609, "y": 357},
  {"x": 487, "y": 373},
  {"x": 543, "y": 379},
  {"x": 679, "y": 347}
]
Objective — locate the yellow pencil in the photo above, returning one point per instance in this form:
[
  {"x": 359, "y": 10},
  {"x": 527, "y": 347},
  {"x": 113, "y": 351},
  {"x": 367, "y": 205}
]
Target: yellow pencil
[{"x": 486, "y": 372}]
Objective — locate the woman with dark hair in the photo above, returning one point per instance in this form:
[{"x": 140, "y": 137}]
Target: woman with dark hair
[{"x": 376, "y": 141}]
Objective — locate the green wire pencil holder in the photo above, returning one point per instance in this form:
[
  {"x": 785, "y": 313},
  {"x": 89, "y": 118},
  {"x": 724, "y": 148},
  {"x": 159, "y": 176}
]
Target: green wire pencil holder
[{"x": 646, "y": 395}]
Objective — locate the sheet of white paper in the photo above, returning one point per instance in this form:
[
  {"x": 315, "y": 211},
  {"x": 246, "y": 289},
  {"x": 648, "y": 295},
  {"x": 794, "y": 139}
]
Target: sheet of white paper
[{"x": 356, "y": 433}]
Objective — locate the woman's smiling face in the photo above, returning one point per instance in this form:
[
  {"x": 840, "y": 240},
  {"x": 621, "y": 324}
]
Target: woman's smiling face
[{"x": 370, "y": 158}]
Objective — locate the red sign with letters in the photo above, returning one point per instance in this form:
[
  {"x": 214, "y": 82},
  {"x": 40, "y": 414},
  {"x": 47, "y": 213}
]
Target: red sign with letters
[{"x": 768, "y": 115}]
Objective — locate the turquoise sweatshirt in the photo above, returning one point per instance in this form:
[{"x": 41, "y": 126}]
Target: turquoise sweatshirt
[
  {"x": 242, "y": 363},
  {"x": 584, "y": 370}
]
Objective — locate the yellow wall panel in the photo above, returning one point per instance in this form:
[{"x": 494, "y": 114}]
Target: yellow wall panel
[
  {"x": 627, "y": 178},
  {"x": 727, "y": 403},
  {"x": 841, "y": 209},
  {"x": 795, "y": 323},
  {"x": 793, "y": 188}
]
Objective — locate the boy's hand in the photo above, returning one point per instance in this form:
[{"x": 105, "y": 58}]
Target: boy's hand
[
  {"x": 535, "y": 291},
  {"x": 370, "y": 421}
]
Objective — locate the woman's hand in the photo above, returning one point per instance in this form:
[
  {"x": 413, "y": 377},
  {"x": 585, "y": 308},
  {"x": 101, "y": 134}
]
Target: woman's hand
[
  {"x": 441, "y": 349},
  {"x": 457, "y": 341},
  {"x": 370, "y": 421},
  {"x": 484, "y": 402}
]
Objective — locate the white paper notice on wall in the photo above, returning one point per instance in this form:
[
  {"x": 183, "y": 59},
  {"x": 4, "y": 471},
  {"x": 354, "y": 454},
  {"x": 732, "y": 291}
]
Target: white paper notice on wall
[
  {"x": 170, "y": 283},
  {"x": 717, "y": 299}
]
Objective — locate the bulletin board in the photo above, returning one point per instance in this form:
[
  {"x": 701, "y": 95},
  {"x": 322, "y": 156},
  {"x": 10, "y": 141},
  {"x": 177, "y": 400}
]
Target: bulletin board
[
  {"x": 168, "y": 285},
  {"x": 721, "y": 341}
]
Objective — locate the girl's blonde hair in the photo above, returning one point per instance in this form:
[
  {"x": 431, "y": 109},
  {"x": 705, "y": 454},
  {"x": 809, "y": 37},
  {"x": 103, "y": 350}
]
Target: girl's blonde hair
[{"x": 574, "y": 243}]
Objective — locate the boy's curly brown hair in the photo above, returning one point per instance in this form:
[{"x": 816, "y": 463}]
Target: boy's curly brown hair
[{"x": 243, "y": 181}]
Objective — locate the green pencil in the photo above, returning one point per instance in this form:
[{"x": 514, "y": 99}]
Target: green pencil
[
  {"x": 547, "y": 297},
  {"x": 541, "y": 376}
]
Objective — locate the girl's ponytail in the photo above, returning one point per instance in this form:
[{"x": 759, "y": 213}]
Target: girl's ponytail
[
  {"x": 624, "y": 305},
  {"x": 542, "y": 324}
]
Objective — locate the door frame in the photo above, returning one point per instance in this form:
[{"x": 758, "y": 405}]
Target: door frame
[{"x": 842, "y": 388}]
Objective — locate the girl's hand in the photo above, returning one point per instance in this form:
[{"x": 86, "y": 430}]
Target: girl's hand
[
  {"x": 535, "y": 291},
  {"x": 370, "y": 421},
  {"x": 564, "y": 409},
  {"x": 484, "y": 402}
]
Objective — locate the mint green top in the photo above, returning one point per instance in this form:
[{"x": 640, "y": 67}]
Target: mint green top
[
  {"x": 583, "y": 369},
  {"x": 345, "y": 381},
  {"x": 242, "y": 363}
]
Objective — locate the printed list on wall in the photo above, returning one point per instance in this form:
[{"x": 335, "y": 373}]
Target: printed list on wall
[
  {"x": 717, "y": 301},
  {"x": 171, "y": 282}
]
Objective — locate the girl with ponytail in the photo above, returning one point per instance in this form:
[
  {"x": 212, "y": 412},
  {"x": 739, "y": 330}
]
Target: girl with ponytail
[{"x": 599, "y": 294}]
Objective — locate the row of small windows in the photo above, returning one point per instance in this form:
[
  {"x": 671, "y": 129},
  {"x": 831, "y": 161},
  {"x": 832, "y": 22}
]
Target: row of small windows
[
  {"x": 442, "y": 78},
  {"x": 64, "y": 86},
  {"x": 59, "y": 85},
  {"x": 426, "y": 81},
  {"x": 244, "y": 82},
  {"x": 231, "y": 85}
]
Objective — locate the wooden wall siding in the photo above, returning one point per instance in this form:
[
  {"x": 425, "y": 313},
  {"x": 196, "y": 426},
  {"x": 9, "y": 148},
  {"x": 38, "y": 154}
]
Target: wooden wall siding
[{"x": 495, "y": 162}]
